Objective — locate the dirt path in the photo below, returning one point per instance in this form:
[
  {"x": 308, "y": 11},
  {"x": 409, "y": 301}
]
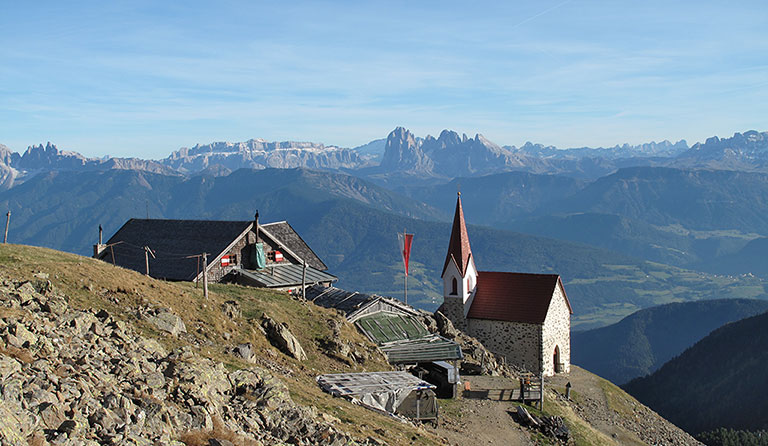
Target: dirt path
[{"x": 486, "y": 422}]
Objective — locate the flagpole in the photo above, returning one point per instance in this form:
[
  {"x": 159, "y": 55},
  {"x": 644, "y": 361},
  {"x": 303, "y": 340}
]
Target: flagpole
[{"x": 405, "y": 269}]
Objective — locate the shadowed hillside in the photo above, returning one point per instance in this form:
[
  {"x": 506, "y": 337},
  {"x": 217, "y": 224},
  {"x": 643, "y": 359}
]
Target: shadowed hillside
[
  {"x": 643, "y": 341},
  {"x": 719, "y": 382}
]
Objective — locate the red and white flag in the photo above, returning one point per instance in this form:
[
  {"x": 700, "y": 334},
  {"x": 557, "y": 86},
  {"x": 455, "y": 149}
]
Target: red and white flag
[
  {"x": 224, "y": 260},
  {"x": 405, "y": 248}
]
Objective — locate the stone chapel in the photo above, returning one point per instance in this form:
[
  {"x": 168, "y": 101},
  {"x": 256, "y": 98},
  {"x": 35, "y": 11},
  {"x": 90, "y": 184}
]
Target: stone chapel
[{"x": 524, "y": 317}]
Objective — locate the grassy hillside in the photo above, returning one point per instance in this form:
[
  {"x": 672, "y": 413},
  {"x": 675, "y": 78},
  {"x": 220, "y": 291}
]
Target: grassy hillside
[
  {"x": 719, "y": 382},
  {"x": 643, "y": 341},
  {"x": 92, "y": 284}
]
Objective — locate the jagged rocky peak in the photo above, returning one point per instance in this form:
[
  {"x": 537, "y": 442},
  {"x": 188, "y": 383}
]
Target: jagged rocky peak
[
  {"x": 403, "y": 152},
  {"x": 748, "y": 145},
  {"x": 8, "y": 156},
  {"x": 36, "y": 157}
]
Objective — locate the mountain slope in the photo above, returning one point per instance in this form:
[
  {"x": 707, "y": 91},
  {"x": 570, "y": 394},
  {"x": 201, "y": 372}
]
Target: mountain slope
[
  {"x": 701, "y": 199},
  {"x": 643, "y": 341},
  {"x": 352, "y": 225},
  {"x": 63, "y": 209},
  {"x": 494, "y": 200},
  {"x": 719, "y": 382}
]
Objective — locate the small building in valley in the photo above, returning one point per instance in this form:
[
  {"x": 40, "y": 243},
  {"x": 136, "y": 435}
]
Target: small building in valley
[
  {"x": 523, "y": 317},
  {"x": 268, "y": 255}
]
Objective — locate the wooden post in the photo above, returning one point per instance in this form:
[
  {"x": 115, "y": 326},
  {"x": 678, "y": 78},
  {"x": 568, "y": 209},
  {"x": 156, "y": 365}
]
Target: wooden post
[
  {"x": 304, "y": 279},
  {"x": 100, "y": 235},
  {"x": 541, "y": 391},
  {"x": 7, "y": 222},
  {"x": 568, "y": 391},
  {"x": 147, "y": 253},
  {"x": 205, "y": 275},
  {"x": 146, "y": 258}
]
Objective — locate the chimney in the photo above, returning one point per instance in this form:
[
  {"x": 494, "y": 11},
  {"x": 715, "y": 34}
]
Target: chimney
[{"x": 100, "y": 247}]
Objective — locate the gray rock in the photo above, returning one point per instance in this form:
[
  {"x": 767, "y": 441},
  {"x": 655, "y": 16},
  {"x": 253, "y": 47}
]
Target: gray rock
[
  {"x": 8, "y": 366},
  {"x": 26, "y": 292},
  {"x": 281, "y": 337},
  {"x": 51, "y": 415},
  {"x": 244, "y": 351},
  {"x": 231, "y": 309},
  {"x": 169, "y": 322},
  {"x": 445, "y": 326},
  {"x": 55, "y": 305},
  {"x": 69, "y": 427},
  {"x": 26, "y": 337},
  {"x": 219, "y": 442}
]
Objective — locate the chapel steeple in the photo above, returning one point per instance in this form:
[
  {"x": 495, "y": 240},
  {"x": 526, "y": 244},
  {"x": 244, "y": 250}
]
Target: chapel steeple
[{"x": 459, "y": 250}]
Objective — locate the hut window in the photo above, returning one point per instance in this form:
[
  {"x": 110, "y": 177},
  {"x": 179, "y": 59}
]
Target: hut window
[{"x": 454, "y": 287}]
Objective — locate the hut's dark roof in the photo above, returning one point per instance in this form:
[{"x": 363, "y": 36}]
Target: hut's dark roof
[
  {"x": 171, "y": 241},
  {"x": 283, "y": 232},
  {"x": 281, "y": 276}
]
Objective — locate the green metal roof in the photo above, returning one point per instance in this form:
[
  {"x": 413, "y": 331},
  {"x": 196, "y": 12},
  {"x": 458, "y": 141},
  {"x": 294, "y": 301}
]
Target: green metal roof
[
  {"x": 405, "y": 339},
  {"x": 427, "y": 349},
  {"x": 384, "y": 327}
]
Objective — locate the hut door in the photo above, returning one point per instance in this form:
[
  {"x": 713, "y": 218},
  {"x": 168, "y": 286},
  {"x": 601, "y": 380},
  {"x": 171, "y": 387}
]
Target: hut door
[{"x": 556, "y": 359}]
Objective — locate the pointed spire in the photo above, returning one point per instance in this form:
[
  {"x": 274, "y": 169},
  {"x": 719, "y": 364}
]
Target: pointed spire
[{"x": 458, "y": 248}]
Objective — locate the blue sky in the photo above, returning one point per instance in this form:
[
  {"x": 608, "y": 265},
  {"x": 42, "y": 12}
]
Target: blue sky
[{"x": 145, "y": 78}]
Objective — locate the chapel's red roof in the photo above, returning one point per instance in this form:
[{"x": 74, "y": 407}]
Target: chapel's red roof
[
  {"x": 458, "y": 248},
  {"x": 514, "y": 297}
]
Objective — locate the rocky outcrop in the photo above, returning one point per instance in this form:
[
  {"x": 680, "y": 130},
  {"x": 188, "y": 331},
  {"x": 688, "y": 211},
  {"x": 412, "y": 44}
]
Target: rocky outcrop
[
  {"x": 334, "y": 346},
  {"x": 403, "y": 153},
  {"x": 85, "y": 377},
  {"x": 166, "y": 321},
  {"x": 747, "y": 151},
  {"x": 282, "y": 338}
]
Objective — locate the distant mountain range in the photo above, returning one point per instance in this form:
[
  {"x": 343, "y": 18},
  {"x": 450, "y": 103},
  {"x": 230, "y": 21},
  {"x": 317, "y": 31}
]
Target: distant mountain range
[
  {"x": 683, "y": 219},
  {"x": 642, "y": 342},
  {"x": 448, "y": 156},
  {"x": 718, "y": 382}
]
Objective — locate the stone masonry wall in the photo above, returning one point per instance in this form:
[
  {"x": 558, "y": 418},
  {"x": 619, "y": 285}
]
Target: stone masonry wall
[
  {"x": 557, "y": 332},
  {"x": 518, "y": 342},
  {"x": 453, "y": 309}
]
